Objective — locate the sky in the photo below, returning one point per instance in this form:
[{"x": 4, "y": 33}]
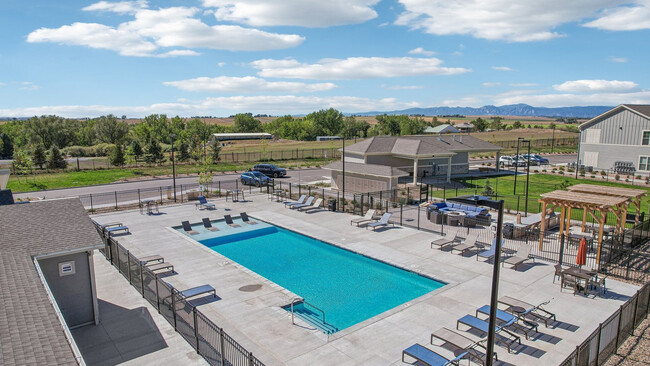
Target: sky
[{"x": 221, "y": 57}]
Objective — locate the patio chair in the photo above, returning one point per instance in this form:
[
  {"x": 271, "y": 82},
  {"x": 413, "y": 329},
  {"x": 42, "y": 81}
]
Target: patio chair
[
  {"x": 229, "y": 221},
  {"x": 598, "y": 283},
  {"x": 246, "y": 219},
  {"x": 300, "y": 201},
  {"x": 203, "y": 203},
  {"x": 208, "y": 224},
  {"x": 307, "y": 203},
  {"x": 368, "y": 217},
  {"x": 483, "y": 326},
  {"x": 508, "y": 318},
  {"x": 522, "y": 255},
  {"x": 448, "y": 239},
  {"x": 526, "y": 310},
  {"x": 315, "y": 206},
  {"x": 382, "y": 222},
  {"x": 490, "y": 253},
  {"x": 558, "y": 272},
  {"x": 570, "y": 282},
  {"x": 429, "y": 357},
  {"x": 188, "y": 228},
  {"x": 461, "y": 343},
  {"x": 468, "y": 244},
  {"x": 197, "y": 291}
]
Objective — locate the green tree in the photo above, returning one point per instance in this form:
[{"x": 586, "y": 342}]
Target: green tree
[
  {"x": 39, "y": 156},
  {"x": 23, "y": 163},
  {"x": 329, "y": 122},
  {"x": 117, "y": 155},
  {"x": 183, "y": 153},
  {"x": 410, "y": 126},
  {"x": 136, "y": 149},
  {"x": 154, "y": 154},
  {"x": 517, "y": 124},
  {"x": 51, "y": 130},
  {"x": 7, "y": 150},
  {"x": 244, "y": 122},
  {"x": 215, "y": 150},
  {"x": 56, "y": 160},
  {"x": 111, "y": 131},
  {"x": 496, "y": 123},
  {"x": 487, "y": 189},
  {"x": 479, "y": 124},
  {"x": 388, "y": 125}
]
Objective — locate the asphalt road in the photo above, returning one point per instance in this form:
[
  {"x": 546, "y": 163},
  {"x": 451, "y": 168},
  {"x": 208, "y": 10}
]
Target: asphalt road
[{"x": 293, "y": 176}]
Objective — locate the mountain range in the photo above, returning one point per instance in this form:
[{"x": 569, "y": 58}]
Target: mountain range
[{"x": 523, "y": 110}]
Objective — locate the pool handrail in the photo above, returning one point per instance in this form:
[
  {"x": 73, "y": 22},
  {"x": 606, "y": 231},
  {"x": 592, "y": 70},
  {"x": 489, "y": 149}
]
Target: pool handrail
[{"x": 300, "y": 299}]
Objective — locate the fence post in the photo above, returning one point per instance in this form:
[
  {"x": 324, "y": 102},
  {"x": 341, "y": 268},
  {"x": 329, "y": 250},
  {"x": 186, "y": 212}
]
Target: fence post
[
  {"x": 338, "y": 199},
  {"x": 418, "y": 217},
  {"x": 444, "y": 193},
  {"x": 401, "y": 206},
  {"x": 161, "y": 200},
  {"x": 155, "y": 278},
  {"x": 128, "y": 265},
  {"x": 355, "y": 197},
  {"x": 91, "y": 202},
  {"x": 600, "y": 330},
  {"x": 141, "y": 279},
  {"x": 139, "y": 202},
  {"x": 223, "y": 356},
  {"x": 219, "y": 187},
  {"x": 618, "y": 327},
  {"x": 250, "y": 358},
  {"x": 174, "y": 307},
  {"x": 196, "y": 330},
  {"x": 115, "y": 200},
  {"x": 289, "y": 191}
]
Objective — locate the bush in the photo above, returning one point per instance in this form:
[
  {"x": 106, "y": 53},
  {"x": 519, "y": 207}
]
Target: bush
[
  {"x": 602, "y": 172},
  {"x": 617, "y": 177},
  {"x": 102, "y": 149}
]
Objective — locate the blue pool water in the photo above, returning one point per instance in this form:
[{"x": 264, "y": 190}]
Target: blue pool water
[{"x": 348, "y": 287}]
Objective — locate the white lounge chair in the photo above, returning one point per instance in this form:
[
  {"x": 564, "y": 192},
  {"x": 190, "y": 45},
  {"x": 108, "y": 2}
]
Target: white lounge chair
[
  {"x": 315, "y": 206},
  {"x": 382, "y": 222},
  {"x": 368, "y": 217}
]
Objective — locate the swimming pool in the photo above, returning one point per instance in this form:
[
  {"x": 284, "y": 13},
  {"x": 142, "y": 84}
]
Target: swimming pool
[{"x": 348, "y": 287}]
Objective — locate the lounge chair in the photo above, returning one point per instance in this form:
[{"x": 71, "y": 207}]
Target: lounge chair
[
  {"x": 115, "y": 227},
  {"x": 150, "y": 259},
  {"x": 522, "y": 255},
  {"x": 461, "y": 343},
  {"x": 188, "y": 228},
  {"x": 203, "y": 203},
  {"x": 315, "y": 206},
  {"x": 246, "y": 219},
  {"x": 383, "y": 221},
  {"x": 490, "y": 253},
  {"x": 483, "y": 326},
  {"x": 300, "y": 201},
  {"x": 197, "y": 291},
  {"x": 468, "y": 244},
  {"x": 526, "y": 310},
  {"x": 448, "y": 239},
  {"x": 229, "y": 221},
  {"x": 368, "y": 217},
  {"x": 307, "y": 203},
  {"x": 508, "y": 318},
  {"x": 208, "y": 224},
  {"x": 429, "y": 357}
]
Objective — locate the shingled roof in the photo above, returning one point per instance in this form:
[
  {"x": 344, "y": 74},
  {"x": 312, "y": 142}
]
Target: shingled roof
[
  {"x": 421, "y": 145},
  {"x": 367, "y": 169},
  {"x": 30, "y": 332}
]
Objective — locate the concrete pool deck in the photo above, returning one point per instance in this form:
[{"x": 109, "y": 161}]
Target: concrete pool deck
[{"x": 256, "y": 320}]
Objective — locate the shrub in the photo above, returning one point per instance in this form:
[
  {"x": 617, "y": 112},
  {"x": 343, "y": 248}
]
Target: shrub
[
  {"x": 602, "y": 172},
  {"x": 593, "y": 176},
  {"x": 617, "y": 177}
]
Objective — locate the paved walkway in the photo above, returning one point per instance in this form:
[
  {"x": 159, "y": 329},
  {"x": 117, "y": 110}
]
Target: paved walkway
[
  {"x": 256, "y": 320},
  {"x": 130, "y": 330}
]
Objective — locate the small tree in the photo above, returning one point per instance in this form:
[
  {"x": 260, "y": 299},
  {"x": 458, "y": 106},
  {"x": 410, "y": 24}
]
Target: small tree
[
  {"x": 136, "y": 149},
  {"x": 183, "y": 152},
  {"x": 7, "y": 150},
  {"x": 56, "y": 160},
  {"x": 39, "y": 157},
  {"x": 154, "y": 153},
  {"x": 23, "y": 163},
  {"x": 487, "y": 189},
  {"x": 215, "y": 150},
  {"x": 117, "y": 155}
]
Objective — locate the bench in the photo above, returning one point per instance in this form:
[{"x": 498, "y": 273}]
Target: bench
[
  {"x": 196, "y": 291},
  {"x": 151, "y": 258},
  {"x": 115, "y": 227},
  {"x": 161, "y": 266}
]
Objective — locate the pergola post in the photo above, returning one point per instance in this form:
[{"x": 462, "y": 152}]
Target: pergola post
[
  {"x": 584, "y": 218},
  {"x": 601, "y": 228},
  {"x": 415, "y": 171},
  {"x": 568, "y": 221},
  {"x": 542, "y": 227},
  {"x": 623, "y": 218},
  {"x": 562, "y": 219}
]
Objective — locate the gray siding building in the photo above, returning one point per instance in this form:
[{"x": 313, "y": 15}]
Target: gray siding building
[{"x": 619, "y": 135}]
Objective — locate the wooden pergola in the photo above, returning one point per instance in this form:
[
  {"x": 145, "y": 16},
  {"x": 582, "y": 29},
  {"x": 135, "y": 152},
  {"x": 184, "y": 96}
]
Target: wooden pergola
[
  {"x": 633, "y": 195},
  {"x": 589, "y": 203}
]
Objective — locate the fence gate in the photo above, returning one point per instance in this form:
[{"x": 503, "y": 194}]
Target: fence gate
[{"x": 424, "y": 193}]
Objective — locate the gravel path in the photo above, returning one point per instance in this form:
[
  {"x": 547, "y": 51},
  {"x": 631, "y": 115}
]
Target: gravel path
[{"x": 635, "y": 351}]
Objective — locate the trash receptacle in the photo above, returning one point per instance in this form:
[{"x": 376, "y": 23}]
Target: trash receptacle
[{"x": 331, "y": 205}]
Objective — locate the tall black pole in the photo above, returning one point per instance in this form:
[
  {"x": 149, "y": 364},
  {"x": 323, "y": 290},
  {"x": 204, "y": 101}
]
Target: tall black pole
[
  {"x": 173, "y": 167},
  {"x": 492, "y": 323},
  {"x": 553, "y": 141},
  {"x": 527, "y": 179},
  {"x": 343, "y": 159},
  {"x": 514, "y": 190}
]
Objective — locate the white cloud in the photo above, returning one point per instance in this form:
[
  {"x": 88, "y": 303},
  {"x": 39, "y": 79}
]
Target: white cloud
[
  {"x": 599, "y": 86},
  {"x": 2, "y": 84},
  {"x": 121, "y": 7},
  {"x": 402, "y": 87},
  {"x": 28, "y": 85},
  {"x": 304, "y": 13},
  {"x": 248, "y": 84},
  {"x": 421, "y": 51},
  {"x": 523, "y": 21},
  {"x": 570, "y": 99},
  {"x": 522, "y": 84},
  {"x": 490, "y": 84},
  {"x": 256, "y": 104},
  {"x": 624, "y": 18},
  {"x": 166, "y": 27},
  {"x": 501, "y": 68},
  {"x": 618, "y": 59},
  {"x": 221, "y": 64},
  {"x": 354, "y": 68},
  {"x": 469, "y": 101}
]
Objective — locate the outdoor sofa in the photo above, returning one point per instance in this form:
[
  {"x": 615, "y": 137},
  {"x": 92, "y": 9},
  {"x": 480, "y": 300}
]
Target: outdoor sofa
[{"x": 481, "y": 215}]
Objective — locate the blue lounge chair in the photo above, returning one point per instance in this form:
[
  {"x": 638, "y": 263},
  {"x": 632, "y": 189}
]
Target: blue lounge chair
[
  {"x": 483, "y": 326},
  {"x": 382, "y": 222},
  {"x": 203, "y": 203},
  {"x": 490, "y": 253},
  {"x": 505, "y": 317},
  {"x": 229, "y": 221},
  {"x": 246, "y": 219},
  {"x": 300, "y": 201},
  {"x": 208, "y": 224},
  {"x": 429, "y": 357},
  {"x": 196, "y": 291},
  {"x": 307, "y": 203},
  {"x": 115, "y": 227},
  {"x": 188, "y": 228}
]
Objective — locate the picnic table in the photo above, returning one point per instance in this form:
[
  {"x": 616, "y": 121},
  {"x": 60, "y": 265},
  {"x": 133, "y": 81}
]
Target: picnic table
[
  {"x": 580, "y": 274},
  {"x": 234, "y": 195}
]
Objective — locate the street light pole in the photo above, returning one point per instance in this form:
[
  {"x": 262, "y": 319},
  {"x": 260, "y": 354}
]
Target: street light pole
[
  {"x": 514, "y": 190},
  {"x": 527, "y": 177},
  {"x": 492, "y": 323},
  {"x": 553, "y": 141},
  {"x": 173, "y": 136}
]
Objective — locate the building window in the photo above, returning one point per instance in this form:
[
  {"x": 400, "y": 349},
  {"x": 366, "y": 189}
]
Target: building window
[
  {"x": 644, "y": 162},
  {"x": 646, "y": 138}
]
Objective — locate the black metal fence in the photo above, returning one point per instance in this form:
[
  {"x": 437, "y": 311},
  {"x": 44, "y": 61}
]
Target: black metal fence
[
  {"x": 208, "y": 339},
  {"x": 558, "y": 141},
  {"x": 605, "y": 340}
]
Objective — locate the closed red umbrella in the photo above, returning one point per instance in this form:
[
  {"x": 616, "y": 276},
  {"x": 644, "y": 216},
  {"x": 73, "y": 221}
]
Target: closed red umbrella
[{"x": 581, "y": 259}]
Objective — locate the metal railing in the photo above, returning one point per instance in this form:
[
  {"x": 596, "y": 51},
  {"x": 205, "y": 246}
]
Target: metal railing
[
  {"x": 611, "y": 333},
  {"x": 301, "y": 300},
  {"x": 208, "y": 339}
]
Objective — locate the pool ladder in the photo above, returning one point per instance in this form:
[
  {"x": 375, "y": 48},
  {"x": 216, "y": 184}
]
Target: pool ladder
[{"x": 300, "y": 299}]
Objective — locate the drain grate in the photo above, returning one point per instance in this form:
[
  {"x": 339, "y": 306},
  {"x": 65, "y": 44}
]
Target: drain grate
[{"x": 250, "y": 288}]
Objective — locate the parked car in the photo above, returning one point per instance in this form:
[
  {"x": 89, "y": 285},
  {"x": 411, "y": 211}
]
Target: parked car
[
  {"x": 540, "y": 159},
  {"x": 254, "y": 178},
  {"x": 512, "y": 161},
  {"x": 270, "y": 170}
]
